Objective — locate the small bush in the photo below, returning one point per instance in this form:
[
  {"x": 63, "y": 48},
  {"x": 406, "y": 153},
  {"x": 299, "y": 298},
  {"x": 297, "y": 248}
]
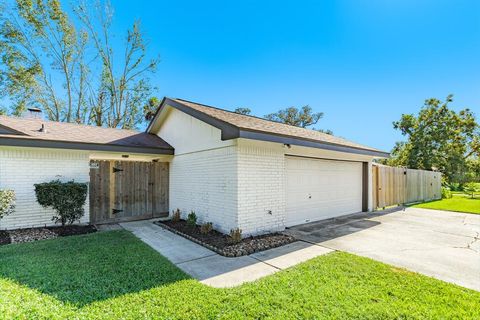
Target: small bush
[
  {"x": 235, "y": 235},
  {"x": 206, "y": 228},
  {"x": 446, "y": 193},
  {"x": 192, "y": 219},
  {"x": 176, "y": 215},
  {"x": 7, "y": 202},
  {"x": 66, "y": 198}
]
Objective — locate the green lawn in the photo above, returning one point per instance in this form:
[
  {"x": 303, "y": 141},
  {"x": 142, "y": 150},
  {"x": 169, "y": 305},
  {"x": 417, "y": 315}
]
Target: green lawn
[
  {"x": 459, "y": 202},
  {"x": 113, "y": 275}
]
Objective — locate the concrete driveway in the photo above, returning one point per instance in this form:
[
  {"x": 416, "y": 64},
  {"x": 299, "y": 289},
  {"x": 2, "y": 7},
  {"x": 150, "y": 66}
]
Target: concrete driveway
[{"x": 441, "y": 244}]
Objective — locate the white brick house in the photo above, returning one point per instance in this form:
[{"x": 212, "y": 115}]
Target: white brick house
[
  {"x": 257, "y": 175},
  {"x": 232, "y": 170}
]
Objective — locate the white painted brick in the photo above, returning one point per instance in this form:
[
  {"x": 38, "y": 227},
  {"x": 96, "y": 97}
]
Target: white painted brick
[
  {"x": 261, "y": 182},
  {"x": 206, "y": 183},
  {"x": 21, "y": 168}
]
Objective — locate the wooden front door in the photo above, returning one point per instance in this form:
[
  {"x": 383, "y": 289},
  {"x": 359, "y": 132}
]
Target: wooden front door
[{"x": 127, "y": 190}]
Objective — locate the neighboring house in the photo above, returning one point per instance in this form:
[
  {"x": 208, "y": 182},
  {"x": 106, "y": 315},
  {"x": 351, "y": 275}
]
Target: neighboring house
[{"x": 234, "y": 170}]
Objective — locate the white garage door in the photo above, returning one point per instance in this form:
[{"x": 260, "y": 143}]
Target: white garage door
[{"x": 321, "y": 189}]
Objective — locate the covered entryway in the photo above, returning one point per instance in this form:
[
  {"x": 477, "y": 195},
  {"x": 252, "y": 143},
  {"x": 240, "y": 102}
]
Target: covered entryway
[
  {"x": 318, "y": 189},
  {"x": 127, "y": 190}
]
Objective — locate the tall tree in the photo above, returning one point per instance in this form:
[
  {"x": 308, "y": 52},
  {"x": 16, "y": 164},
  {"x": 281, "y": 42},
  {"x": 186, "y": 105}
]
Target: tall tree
[
  {"x": 437, "y": 137},
  {"x": 68, "y": 67},
  {"x": 304, "y": 117},
  {"x": 40, "y": 65},
  {"x": 245, "y": 111},
  {"x": 124, "y": 87}
]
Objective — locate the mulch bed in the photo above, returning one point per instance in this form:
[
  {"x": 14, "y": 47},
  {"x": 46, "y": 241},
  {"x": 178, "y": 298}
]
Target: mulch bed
[
  {"x": 4, "y": 238},
  {"x": 35, "y": 234},
  {"x": 73, "y": 230},
  {"x": 221, "y": 243}
]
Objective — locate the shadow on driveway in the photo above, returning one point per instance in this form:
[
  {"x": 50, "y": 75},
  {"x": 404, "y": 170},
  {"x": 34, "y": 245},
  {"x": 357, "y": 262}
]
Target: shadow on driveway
[
  {"x": 441, "y": 244},
  {"x": 329, "y": 229}
]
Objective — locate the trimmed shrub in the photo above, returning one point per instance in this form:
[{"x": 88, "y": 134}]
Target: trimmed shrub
[
  {"x": 66, "y": 198},
  {"x": 446, "y": 193},
  {"x": 192, "y": 219},
  {"x": 206, "y": 228},
  {"x": 7, "y": 202},
  {"x": 235, "y": 235}
]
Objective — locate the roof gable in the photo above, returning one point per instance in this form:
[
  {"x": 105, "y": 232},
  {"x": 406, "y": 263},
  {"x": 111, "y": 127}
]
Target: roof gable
[{"x": 234, "y": 125}]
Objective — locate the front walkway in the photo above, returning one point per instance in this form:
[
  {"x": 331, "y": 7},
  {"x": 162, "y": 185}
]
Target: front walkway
[{"x": 215, "y": 270}]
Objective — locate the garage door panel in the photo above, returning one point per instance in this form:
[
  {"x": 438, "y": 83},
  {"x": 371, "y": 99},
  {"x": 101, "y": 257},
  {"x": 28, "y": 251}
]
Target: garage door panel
[{"x": 321, "y": 189}]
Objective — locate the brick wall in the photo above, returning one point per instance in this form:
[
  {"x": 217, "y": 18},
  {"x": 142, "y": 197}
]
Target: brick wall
[
  {"x": 206, "y": 183},
  {"x": 261, "y": 188},
  {"x": 21, "y": 168}
]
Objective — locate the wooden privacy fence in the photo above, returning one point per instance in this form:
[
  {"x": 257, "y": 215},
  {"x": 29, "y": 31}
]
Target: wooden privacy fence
[{"x": 396, "y": 186}]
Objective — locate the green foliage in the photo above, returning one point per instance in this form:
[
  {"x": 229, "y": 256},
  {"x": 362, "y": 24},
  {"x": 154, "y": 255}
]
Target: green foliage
[
  {"x": 176, "y": 215},
  {"x": 150, "y": 108},
  {"x": 7, "y": 202},
  {"x": 206, "y": 227},
  {"x": 471, "y": 188},
  {"x": 192, "y": 219},
  {"x": 455, "y": 186},
  {"x": 437, "y": 137},
  {"x": 457, "y": 203},
  {"x": 66, "y": 198},
  {"x": 303, "y": 117},
  {"x": 235, "y": 235},
  {"x": 245, "y": 111},
  {"x": 446, "y": 193},
  {"x": 62, "y": 61}
]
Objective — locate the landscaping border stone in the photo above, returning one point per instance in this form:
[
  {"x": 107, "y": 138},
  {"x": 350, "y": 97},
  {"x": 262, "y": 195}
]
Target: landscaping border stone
[
  {"x": 247, "y": 246},
  {"x": 43, "y": 233}
]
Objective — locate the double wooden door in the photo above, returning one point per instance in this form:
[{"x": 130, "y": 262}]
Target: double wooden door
[{"x": 127, "y": 190}]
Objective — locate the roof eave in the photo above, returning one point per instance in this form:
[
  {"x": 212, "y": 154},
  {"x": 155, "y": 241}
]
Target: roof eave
[
  {"x": 255, "y": 135},
  {"x": 54, "y": 144}
]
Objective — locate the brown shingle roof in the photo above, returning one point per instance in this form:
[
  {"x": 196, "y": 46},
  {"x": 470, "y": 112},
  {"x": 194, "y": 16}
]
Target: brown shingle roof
[
  {"x": 109, "y": 138},
  {"x": 251, "y": 123}
]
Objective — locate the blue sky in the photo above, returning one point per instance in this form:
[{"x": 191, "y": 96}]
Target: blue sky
[{"x": 363, "y": 63}]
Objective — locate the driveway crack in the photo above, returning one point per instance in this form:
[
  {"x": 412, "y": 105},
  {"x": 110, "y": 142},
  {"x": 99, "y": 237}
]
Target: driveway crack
[{"x": 469, "y": 245}]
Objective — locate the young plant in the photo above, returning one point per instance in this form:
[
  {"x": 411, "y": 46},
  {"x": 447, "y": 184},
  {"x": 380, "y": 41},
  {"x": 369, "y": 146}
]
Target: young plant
[
  {"x": 176, "y": 215},
  {"x": 470, "y": 188},
  {"x": 206, "y": 228},
  {"x": 66, "y": 198},
  {"x": 192, "y": 219},
  {"x": 235, "y": 235},
  {"x": 7, "y": 202}
]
